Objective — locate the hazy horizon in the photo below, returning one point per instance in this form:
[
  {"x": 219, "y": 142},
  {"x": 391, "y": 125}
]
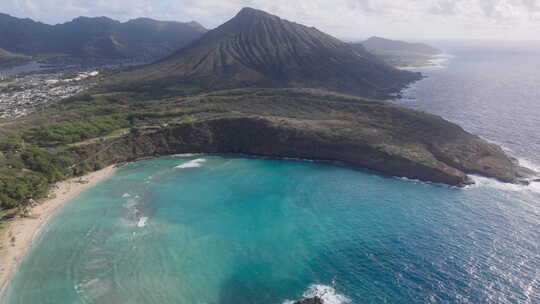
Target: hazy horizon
[{"x": 347, "y": 19}]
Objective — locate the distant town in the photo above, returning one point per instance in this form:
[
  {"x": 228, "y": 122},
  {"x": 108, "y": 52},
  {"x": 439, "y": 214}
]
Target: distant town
[{"x": 23, "y": 94}]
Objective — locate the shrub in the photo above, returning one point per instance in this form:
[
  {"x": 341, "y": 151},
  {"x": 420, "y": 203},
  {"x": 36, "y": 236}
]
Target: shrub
[{"x": 72, "y": 132}]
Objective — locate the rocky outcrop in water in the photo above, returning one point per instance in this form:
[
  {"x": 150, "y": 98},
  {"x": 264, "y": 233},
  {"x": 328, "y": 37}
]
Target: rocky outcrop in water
[{"x": 315, "y": 300}]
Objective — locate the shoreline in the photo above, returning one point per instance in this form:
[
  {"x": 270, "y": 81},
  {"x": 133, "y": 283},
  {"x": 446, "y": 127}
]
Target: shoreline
[
  {"x": 435, "y": 61},
  {"x": 18, "y": 236}
]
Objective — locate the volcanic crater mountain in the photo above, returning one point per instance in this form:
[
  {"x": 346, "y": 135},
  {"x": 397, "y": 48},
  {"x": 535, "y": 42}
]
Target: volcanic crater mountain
[{"x": 257, "y": 49}]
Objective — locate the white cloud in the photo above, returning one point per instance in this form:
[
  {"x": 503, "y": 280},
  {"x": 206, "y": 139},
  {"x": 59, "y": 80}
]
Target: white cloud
[{"x": 490, "y": 19}]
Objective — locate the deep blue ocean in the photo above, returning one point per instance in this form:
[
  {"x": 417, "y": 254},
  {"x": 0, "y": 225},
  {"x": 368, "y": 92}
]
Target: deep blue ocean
[{"x": 224, "y": 229}]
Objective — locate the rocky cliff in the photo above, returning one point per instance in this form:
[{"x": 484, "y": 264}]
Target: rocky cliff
[{"x": 323, "y": 126}]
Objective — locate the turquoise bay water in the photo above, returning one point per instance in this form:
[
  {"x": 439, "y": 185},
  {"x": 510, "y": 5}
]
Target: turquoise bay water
[{"x": 231, "y": 229}]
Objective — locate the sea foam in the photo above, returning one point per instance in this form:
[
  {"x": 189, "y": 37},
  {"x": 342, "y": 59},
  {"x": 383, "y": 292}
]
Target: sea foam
[
  {"x": 529, "y": 164},
  {"x": 533, "y": 186},
  {"x": 185, "y": 155},
  {"x": 196, "y": 163},
  {"x": 480, "y": 181},
  {"x": 437, "y": 62},
  {"x": 134, "y": 216},
  {"x": 142, "y": 222},
  {"x": 326, "y": 293}
]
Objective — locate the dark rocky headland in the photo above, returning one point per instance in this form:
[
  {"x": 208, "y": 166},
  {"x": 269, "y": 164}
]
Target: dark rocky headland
[{"x": 313, "y": 124}]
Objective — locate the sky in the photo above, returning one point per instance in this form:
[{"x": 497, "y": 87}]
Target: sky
[{"x": 349, "y": 19}]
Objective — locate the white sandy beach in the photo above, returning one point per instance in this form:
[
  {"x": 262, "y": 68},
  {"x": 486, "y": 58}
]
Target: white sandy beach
[{"x": 17, "y": 237}]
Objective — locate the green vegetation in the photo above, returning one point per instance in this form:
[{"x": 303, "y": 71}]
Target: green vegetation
[
  {"x": 113, "y": 135},
  {"x": 189, "y": 120},
  {"x": 68, "y": 76},
  {"x": 27, "y": 173},
  {"x": 62, "y": 141},
  {"x": 182, "y": 90},
  {"x": 81, "y": 97},
  {"x": 72, "y": 132},
  {"x": 11, "y": 141},
  {"x": 2, "y": 223}
]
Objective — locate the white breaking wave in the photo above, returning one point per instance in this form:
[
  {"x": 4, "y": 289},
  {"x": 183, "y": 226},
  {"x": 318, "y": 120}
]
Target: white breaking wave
[
  {"x": 126, "y": 195},
  {"x": 134, "y": 216},
  {"x": 142, "y": 222},
  {"x": 534, "y": 186},
  {"x": 185, "y": 155},
  {"x": 529, "y": 165},
  {"x": 493, "y": 183},
  {"x": 305, "y": 160},
  {"x": 326, "y": 293},
  {"x": 440, "y": 61},
  {"x": 196, "y": 163},
  {"x": 436, "y": 62}
]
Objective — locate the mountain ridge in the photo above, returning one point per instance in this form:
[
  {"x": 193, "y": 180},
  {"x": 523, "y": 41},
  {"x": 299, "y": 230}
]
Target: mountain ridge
[
  {"x": 378, "y": 43},
  {"x": 399, "y": 53},
  {"x": 97, "y": 37}
]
